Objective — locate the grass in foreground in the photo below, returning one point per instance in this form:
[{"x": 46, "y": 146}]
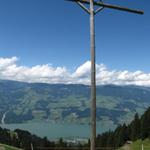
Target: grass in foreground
[
  {"x": 138, "y": 145},
  {"x": 6, "y": 147}
]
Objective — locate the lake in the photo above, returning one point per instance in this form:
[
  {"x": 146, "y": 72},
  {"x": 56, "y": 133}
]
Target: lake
[{"x": 54, "y": 131}]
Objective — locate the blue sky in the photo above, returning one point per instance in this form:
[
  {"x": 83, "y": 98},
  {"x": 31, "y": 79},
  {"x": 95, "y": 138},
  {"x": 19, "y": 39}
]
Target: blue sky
[{"x": 57, "y": 32}]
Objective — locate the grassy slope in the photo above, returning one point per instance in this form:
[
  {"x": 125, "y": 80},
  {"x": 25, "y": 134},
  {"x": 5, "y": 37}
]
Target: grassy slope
[
  {"x": 6, "y": 147},
  {"x": 138, "y": 145}
]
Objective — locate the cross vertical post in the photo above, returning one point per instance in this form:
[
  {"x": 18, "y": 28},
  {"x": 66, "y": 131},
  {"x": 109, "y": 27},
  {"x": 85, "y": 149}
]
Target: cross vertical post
[
  {"x": 93, "y": 77},
  {"x": 91, "y": 10}
]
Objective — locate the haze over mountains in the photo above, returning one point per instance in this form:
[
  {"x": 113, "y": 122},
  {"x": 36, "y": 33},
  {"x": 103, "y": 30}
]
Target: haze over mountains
[{"x": 23, "y": 102}]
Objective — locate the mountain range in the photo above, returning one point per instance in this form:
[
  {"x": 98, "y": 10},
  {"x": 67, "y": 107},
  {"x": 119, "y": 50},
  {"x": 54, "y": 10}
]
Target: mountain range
[{"x": 26, "y": 102}]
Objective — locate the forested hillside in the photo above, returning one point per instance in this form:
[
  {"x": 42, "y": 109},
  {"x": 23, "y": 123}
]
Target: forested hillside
[{"x": 139, "y": 128}]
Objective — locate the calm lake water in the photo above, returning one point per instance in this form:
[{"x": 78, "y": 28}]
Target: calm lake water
[{"x": 56, "y": 130}]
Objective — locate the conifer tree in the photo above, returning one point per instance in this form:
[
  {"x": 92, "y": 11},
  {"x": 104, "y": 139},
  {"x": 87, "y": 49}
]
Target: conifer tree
[
  {"x": 135, "y": 128},
  {"x": 145, "y": 125}
]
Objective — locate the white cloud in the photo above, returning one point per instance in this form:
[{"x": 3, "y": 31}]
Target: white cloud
[
  {"x": 83, "y": 70},
  {"x": 9, "y": 69}
]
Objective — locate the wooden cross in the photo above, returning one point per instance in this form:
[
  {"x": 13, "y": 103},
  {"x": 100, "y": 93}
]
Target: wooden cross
[{"x": 92, "y": 12}]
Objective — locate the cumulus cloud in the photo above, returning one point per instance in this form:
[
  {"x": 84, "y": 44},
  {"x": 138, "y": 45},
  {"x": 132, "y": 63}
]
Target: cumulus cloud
[{"x": 10, "y": 70}]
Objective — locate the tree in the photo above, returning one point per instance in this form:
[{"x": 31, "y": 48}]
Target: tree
[
  {"x": 135, "y": 128},
  {"x": 145, "y": 125}
]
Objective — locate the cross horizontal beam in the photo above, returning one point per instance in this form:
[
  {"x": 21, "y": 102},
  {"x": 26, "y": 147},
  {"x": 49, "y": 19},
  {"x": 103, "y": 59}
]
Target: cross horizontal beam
[{"x": 110, "y": 6}]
